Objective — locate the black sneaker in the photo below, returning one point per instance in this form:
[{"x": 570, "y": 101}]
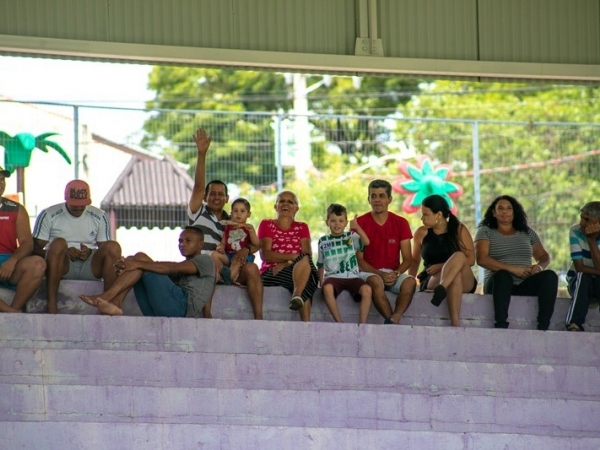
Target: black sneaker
[{"x": 296, "y": 303}]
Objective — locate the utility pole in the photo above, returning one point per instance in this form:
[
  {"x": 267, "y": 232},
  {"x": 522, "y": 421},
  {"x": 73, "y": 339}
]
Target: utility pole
[{"x": 303, "y": 160}]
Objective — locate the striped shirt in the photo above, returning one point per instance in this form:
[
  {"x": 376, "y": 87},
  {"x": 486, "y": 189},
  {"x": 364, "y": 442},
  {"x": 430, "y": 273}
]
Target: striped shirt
[
  {"x": 515, "y": 249},
  {"x": 209, "y": 224},
  {"x": 337, "y": 255},
  {"x": 580, "y": 250}
]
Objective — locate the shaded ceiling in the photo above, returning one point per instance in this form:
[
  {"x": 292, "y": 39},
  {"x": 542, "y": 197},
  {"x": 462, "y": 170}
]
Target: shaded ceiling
[{"x": 548, "y": 40}]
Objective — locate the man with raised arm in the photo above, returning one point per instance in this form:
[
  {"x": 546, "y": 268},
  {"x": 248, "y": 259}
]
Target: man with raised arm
[
  {"x": 205, "y": 210},
  {"x": 388, "y": 254}
]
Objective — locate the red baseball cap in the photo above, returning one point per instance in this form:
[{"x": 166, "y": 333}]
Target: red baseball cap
[{"x": 77, "y": 193}]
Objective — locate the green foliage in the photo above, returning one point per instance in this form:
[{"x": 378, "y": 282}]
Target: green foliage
[
  {"x": 246, "y": 144},
  {"x": 545, "y": 166}
]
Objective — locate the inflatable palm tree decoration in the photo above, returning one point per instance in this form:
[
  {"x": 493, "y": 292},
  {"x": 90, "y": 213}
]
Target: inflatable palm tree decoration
[{"x": 18, "y": 149}]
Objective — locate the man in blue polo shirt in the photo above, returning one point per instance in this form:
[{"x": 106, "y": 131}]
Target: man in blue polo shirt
[{"x": 583, "y": 276}]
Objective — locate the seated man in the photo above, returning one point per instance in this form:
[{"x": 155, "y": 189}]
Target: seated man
[
  {"x": 168, "y": 289},
  {"x": 75, "y": 239},
  {"x": 18, "y": 270},
  {"x": 583, "y": 277},
  {"x": 389, "y": 236},
  {"x": 205, "y": 210}
]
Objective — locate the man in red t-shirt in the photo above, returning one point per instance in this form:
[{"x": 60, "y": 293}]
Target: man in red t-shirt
[{"x": 388, "y": 254}]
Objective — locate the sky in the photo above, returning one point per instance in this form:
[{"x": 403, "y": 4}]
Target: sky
[{"x": 83, "y": 83}]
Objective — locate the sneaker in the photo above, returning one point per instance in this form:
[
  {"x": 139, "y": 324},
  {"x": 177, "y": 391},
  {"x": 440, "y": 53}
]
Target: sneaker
[
  {"x": 296, "y": 303},
  {"x": 574, "y": 327}
]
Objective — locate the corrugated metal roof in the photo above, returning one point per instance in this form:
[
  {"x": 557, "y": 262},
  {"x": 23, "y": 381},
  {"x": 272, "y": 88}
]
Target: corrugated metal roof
[{"x": 149, "y": 193}]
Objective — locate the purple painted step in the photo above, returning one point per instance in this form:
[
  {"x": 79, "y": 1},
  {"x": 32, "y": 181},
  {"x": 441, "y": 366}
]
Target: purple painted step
[
  {"x": 283, "y": 372},
  {"x": 297, "y": 408},
  {"x": 231, "y": 302},
  {"x": 435, "y": 381},
  {"x": 127, "y": 436},
  {"x": 41, "y": 331}
]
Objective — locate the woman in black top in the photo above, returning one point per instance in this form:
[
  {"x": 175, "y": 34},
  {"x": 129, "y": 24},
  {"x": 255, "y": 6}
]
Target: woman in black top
[{"x": 446, "y": 247}]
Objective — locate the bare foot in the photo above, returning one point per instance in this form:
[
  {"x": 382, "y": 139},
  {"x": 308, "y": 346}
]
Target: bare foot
[
  {"x": 394, "y": 318},
  {"x": 108, "y": 308},
  {"x": 90, "y": 299}
]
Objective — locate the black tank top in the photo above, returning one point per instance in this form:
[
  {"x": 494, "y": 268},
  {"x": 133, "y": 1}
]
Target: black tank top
[{"x": 436, "y": 248}]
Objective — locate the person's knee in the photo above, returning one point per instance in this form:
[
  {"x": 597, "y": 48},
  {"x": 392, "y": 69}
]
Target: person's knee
[
  {"x": 459, "y": 257},
  {"x": 141, "y": 256},
  {"x": 112, "y": 249},
  {"x": 408, "y": 285},
  {"x": 58, "y": 247},
  {"x": 549, "y": 276},
  {"x": 502, "y": 276},
  {"x": 303, "y": 263},
  {"x": 375, "y": 282},
  {"x": 327, "y": 289},
  {"x": 365, "y": 290},
  {"x": 35, "y": 266}
]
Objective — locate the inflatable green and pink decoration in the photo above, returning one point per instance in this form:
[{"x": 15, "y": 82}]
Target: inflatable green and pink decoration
[{"x": 423, "y": 180}]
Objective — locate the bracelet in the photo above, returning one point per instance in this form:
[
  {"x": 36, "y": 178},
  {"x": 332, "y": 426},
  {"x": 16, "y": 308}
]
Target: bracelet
[{"x": 541, "y": 268}]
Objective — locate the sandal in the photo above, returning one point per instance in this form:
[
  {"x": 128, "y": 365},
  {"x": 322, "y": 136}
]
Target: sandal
[{"x": 574, "y": 327}]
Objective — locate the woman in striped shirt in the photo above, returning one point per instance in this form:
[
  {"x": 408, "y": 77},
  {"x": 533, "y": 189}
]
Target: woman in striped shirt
[{"x": 505, "y": 246}]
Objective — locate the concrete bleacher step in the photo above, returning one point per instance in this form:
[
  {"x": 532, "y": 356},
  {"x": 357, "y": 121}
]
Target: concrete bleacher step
[
  {"x": 167, "y": 436},
  {"x": 231, "y": 302},
  {"x": 299, "y": 381}
]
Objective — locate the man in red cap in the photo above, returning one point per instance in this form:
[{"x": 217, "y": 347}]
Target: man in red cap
[
  {"x": 75, "y": 239},
  {"x": 19, "y": 271}
]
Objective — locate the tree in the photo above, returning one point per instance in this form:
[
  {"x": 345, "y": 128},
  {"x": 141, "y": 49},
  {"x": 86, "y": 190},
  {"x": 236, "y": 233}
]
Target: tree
[
  {"x": 243, "y": 144},
  {"x": 550, "y": 167}
]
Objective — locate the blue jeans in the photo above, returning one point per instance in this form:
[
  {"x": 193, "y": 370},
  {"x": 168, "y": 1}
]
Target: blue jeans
[{"x": 158, "y": 295}]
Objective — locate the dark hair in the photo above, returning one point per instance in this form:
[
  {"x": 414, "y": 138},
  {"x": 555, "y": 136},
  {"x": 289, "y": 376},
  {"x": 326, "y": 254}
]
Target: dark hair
[
  {"x": 378, "y": 184},
  {"x": 207, "y": 187},
  {"x": 195, "y": 228},
  {"x": 337, "y": 209},
  {"x": 437, "y": 203},
  {"x": 519, "y": 217},
  {"x": 243, "y": 201},
  {"x": 592, "y": 209}
]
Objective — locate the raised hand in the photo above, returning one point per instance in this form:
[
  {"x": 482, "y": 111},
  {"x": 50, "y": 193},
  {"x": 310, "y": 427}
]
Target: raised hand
[{"x": 202, "y": 140}]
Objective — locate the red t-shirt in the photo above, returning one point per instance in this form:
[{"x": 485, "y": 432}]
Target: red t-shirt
[
  {"x": 236, "y": 238},
  {"x": 282, "y": 241},
  {"x": 383, "y": 251},
  {"x": 9, "y": 211}
]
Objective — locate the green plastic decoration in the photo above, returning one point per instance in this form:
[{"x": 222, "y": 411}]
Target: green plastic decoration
[{"x": 20, "y": 146}]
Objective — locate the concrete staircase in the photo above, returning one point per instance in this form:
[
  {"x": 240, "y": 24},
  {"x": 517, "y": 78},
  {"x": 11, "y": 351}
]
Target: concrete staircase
[{"x": 94, "y": 382}]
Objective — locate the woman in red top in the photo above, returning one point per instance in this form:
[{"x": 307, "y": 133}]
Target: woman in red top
[{"x": 285, "y": 250}]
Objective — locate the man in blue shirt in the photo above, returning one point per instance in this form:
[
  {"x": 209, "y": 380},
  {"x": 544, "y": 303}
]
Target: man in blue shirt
[{"x": 583, "y": 277}]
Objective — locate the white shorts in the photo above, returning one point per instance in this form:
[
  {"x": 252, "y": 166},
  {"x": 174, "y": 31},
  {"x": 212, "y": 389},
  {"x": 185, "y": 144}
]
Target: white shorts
[{"x": 395, "y": 288}]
